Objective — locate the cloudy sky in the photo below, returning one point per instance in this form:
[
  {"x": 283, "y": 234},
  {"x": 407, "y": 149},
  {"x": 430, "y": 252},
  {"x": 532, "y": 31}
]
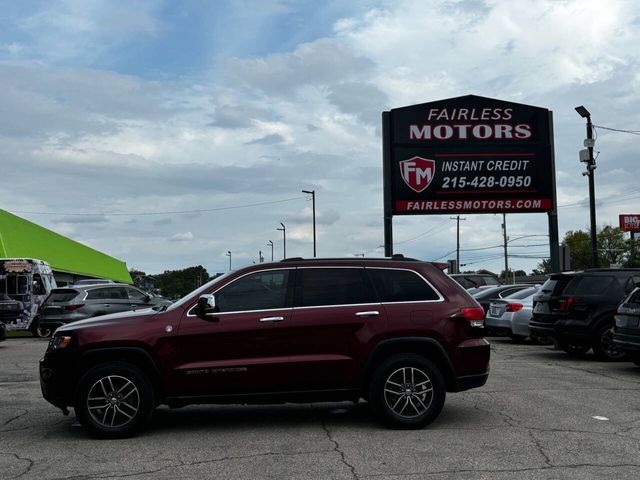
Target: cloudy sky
[{"x": 183, "y": 130}]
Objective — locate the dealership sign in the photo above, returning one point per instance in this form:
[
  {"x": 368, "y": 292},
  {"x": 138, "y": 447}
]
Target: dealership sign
[
  {"x": 468, "y": 155},
  {"x": 630, "y": 222}
]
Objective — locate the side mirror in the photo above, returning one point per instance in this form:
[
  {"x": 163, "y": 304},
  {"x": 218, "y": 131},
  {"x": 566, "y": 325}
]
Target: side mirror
[
  {"x": 147, "y": 299},
  {"x": 206, "y": 305}
]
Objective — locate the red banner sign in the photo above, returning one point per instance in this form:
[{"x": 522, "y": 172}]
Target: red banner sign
[{"x": 630, "y": 222}]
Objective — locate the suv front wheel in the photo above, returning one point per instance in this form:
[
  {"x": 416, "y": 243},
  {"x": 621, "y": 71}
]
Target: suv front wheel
[
  {"x": 114, "y": 400},
  {"x": 407, "y": 391}
]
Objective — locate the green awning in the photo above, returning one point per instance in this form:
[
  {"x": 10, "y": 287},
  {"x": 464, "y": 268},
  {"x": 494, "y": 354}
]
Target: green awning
[{"x": 20, "y": 238}]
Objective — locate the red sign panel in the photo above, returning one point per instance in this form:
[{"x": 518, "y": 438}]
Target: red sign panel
[{"x": 630, "y": 222}]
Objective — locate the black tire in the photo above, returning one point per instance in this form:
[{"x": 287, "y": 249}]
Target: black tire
[
  {"x": 637, "y": 361},
  {"x": 573, "y": 349},
  {"x": 127, "y": 392},
  {"x": 518, "y": 338},
  {"x": 38, "y": 332},
  {"x": 603, "y": 345},
  {"x": 420, "y": 405}
]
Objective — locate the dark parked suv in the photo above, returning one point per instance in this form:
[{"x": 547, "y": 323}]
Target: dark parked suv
[
  {"x": 70, "y": 304},
  {"x": 577, "y": 310},
  {"x": 397, "y": 332}
]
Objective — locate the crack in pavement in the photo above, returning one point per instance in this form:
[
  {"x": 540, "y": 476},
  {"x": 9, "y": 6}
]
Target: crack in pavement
[
  {"x": 538, "y": 443},
  {"x": 337, "y": 449},
  {"x": 24, "y": 412},
  {"x": 506, "y": 470},
  {"x": 18, "y": 457},
  {"x": 188, "y": 464}
]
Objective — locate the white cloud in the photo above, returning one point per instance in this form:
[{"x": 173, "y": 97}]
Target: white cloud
[{"x": 182, "y": 237}]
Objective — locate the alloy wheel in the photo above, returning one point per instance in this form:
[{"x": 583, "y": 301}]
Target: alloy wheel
[
  {"x": 408, "y": 392},
  {"x": 113, "y": 401},
  {"x": 608, "y": 347}
]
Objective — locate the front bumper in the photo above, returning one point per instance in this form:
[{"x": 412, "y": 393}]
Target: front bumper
[
  {"x": 56, "y": 379},
  {"x": 630, "y": 344}
]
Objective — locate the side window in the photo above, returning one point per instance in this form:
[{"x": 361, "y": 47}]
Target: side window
[
  {"x": 257, "y": 291},
  {"x": 401, "y": 286},
  {"x": 589, "y": 285},
  {"x": 38, "y": 285},
  {"x": 96, "y": 294},
  {"x": 137, "y": 295},
  {"x": 331, "y": 286},
  {"x": 112, "y": 293}
]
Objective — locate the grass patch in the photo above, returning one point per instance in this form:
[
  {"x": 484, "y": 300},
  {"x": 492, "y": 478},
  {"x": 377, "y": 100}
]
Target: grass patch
[{"x": 18, "y": 333}]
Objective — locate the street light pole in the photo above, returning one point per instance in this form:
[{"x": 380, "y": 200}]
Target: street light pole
[
  {"x": 506, "y": 256},
  {"x": 591, "y": 167},
  {"x": 313, "y": 199},
  {"x": 228, "y": 254},
  {"x": 457, "y": 218},
  {"x": 284, "y": 239},
  {"x": 270, "y": 244}
]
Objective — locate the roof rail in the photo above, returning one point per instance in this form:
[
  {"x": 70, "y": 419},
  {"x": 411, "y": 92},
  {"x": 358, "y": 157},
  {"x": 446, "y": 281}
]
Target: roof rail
[{"x": 395, "y": 257}]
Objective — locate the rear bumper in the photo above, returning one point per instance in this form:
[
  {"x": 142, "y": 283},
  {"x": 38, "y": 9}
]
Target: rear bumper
[
  {"x": 563, "y": 330},
  {"x": 498, "y": 323},
  {"x": 468, "y": 382},
  {"x": 471, "y": 360}
]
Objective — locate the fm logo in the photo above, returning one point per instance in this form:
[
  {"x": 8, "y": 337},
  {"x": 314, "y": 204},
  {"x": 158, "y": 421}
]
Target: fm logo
[{"x": 417, "y": 173}]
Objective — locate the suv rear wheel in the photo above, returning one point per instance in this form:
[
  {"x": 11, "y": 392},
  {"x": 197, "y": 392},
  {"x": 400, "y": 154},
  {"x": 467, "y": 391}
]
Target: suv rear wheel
[
  {"x": 38, "y": 331},
  {"x": 114, "y": 400},
  {"x": 407, "y": 391},
  {"x": 604, "y": 348}
]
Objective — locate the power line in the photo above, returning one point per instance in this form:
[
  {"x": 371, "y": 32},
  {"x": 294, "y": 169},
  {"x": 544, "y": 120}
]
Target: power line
[
  {"x": 633, "y": 132},
  {"x": 422, "y": 234},
  {"x": 131, "y": 214}
]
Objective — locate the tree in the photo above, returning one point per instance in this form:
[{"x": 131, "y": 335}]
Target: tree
[
  {"x": 579, "y": 244},
  {"x": 543, "y": 268},
  {"x": 177, "y": 283},
  {"x": 612, "y": 247}
]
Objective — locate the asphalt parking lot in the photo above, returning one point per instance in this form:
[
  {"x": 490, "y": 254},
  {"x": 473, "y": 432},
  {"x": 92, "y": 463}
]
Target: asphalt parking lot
[{"x": 541, "y": 415}]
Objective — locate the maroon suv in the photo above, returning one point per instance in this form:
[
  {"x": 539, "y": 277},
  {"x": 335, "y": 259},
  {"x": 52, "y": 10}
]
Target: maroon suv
[{"x": 397, "y": 332}]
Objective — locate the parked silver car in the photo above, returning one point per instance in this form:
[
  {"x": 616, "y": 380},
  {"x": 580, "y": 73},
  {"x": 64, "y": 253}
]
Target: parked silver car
[
  {"x": 66, "y": 305},
  {"x": 511, "y": 315}
]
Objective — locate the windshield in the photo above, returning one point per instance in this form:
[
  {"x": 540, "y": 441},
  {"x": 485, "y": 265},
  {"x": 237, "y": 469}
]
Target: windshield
[{"x": 193, "y": 295}]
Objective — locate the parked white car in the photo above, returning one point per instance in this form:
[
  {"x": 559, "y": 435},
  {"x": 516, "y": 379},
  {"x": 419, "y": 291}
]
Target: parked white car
[{"x": 511, "y": 315}]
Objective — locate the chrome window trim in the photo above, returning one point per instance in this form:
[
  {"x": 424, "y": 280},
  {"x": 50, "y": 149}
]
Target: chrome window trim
[
  {"x": 189, "y": 314},
  {"x": 440, "y": 296}
]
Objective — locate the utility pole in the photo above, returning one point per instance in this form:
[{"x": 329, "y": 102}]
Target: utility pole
[
  {"x": 270, "y": 244},
  {"x": 284, "y": 239},
  {"x": 313, "y": 198},
  {"x": 260, "y": 257},
  {"x": 228, "y": 254},
  {"x": 457, "y": 219},
  {"x": 591, "y": 167},
  {"x": 506, "y": 256}
]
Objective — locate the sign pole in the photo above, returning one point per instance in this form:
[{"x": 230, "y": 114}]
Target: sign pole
[
  {"x": 386, "y": 175},
  {"x": 554, "y": 242}
]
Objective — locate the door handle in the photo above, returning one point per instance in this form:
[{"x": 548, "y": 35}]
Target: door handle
[
  {"x": 370, "y": 313},
  {"x": 107, "y": 304},
  {"x": 271, "y": 319}
]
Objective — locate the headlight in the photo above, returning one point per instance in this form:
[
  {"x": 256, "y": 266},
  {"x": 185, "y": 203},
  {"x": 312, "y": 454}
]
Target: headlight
[{"x": 58, "y": 342}]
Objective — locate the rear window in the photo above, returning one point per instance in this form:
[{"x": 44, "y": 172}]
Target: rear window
[
  {"x": 485, "y": 280},
  {"x": 527, "y": 292},
  {"x": 401, "y": 286},
  {"x": 589, "y": 284},
  {"x": 58, "y": 296}
]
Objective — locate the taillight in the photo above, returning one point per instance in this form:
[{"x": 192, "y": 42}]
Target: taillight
[
  {"x": 514, "y": 307},
  {"x": 71, "y": 308},
  {"x": 475, "y": 315},
  {"x": 567, "y": 302}
]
